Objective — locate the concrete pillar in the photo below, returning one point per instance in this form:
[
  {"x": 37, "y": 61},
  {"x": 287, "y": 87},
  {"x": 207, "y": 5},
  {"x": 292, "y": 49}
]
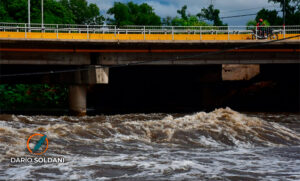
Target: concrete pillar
[
  {"x": 233, "y": 72},
  {"x": 78, "y": 88},
  {"x": 77, "y": 100}
]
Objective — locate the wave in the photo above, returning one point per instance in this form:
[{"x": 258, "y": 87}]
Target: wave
[{"x": 219, "y": 128}]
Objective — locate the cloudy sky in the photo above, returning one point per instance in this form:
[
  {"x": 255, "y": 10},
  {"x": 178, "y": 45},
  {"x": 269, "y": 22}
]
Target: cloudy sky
[{"x": 227, "y": 7}]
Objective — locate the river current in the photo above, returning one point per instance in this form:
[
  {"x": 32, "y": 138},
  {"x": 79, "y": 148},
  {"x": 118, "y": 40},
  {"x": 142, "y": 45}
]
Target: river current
[{"x": 220, "y": 145}]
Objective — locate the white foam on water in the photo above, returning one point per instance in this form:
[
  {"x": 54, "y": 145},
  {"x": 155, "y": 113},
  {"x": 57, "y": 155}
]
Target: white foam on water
[
  {"x": 19, "y": 173},
  {"x": 222, "y": 143}
]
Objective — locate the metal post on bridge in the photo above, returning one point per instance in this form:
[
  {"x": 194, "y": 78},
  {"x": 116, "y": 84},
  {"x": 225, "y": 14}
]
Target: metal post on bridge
[
  {"x": 228, "y": 32},
  {"x": 200, "y": 32},
  {"x": 256, "y": 33},
  {"x": 28, "y": 12},
  {"x": 42, "y": 7},
  {"x": 172, "y": 33},
  {"x": 56, "y": 31},
  {"x": 283, "y": 31},
  {"x": 144, "y": 32},
  {"x": 115, "y": 32},
  {"x": 87, "y": 31},
  {"x": 25, "y": 31}
]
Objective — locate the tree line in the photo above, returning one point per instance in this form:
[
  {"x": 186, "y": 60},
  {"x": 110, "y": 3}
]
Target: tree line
[
  {"x": 275, "y": 18},
  {"x": 55, "y": 12},
  {"x": 82, "y": 12}
]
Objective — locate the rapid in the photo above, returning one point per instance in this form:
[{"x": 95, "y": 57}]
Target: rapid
[{"x": 222, "y": 144}]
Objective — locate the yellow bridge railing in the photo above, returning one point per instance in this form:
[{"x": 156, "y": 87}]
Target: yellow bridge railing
[{"x": 145, "y": 33}]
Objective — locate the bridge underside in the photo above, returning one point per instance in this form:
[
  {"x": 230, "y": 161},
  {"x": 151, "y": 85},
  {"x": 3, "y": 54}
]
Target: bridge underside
[
  {"x": 152, "y": 53},
  {"x": 83, "y": 63}
]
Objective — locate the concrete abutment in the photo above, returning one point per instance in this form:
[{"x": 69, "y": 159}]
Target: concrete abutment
[{"x": 78, "y": 91}]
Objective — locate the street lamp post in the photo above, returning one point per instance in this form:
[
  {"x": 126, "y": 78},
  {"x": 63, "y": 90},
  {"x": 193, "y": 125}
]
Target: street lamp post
[
  {"x": 28, "y": 13},
  {"x": 42, "y": 7},
  {"x": 284, "y": 12},
  {"x": 283, "y": 18}
]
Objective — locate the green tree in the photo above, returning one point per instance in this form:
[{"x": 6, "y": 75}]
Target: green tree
[
  {"x": 287, "y": 2},
  {"x": 167, "y": 21},
  {"x": 182, "y": 12},
  {"x": 3, "y": 13},
  {"x": 133, "y": 14},
  {"x": 16, "y": 11},
  {"x": 22, "y": 96},
  {"x": 55, "y": 11},
  {"x": 251, "y": 23},
  {"x": 270, "y": 15},
  {"x": 184, "y": 19},
  {"x": 211, "y": 14},
  {"x": 190, "y": 21},
  {"x": 83, "y": 13},
  {"x": 292, "y": 8},
  {"x": 13, "y": 11}
]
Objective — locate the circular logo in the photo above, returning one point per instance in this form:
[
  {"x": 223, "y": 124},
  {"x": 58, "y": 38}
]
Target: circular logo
[{"x": 37, "y": 146}]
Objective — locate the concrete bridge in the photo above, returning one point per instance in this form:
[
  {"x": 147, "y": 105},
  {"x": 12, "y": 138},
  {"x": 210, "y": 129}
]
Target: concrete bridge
[{"x": 80, "y": 62}]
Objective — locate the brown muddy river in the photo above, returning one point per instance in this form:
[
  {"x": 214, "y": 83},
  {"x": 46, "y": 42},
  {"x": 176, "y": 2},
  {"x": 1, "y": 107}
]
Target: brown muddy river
[{"x": 220, "y": 145}]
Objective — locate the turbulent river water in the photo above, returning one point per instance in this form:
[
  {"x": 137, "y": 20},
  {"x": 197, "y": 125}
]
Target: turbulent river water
[{"x": 220, "y": 145}]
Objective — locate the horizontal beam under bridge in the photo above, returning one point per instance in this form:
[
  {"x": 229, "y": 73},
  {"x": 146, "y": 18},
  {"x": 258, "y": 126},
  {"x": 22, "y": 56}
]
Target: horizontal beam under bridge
[
  {"x": 142, "y": 50},
  {"x": 45, "y": 52}
]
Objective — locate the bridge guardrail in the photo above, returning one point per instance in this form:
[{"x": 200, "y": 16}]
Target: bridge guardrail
[{"x": 73, "y": 31}]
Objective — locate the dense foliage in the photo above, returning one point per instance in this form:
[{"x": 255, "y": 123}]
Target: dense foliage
[
  {"x": 133, "y": 14},
  {"x": 58, "y": 12},
  {"x": 23, "y": 96},
  {"x": 184, "y": 19},
  {"x": 270, "y": 15},
  {"x": 211, "y": 14},
  {"x": 292, "y": 8}
]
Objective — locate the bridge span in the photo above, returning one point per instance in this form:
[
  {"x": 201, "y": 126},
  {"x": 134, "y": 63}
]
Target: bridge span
[{"x": 62, "y": 56}]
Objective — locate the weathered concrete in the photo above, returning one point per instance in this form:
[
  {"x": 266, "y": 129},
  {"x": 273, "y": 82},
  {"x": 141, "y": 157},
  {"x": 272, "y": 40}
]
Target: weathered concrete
[
  {"x": 239, "y": 72},
  {"x": 87, "y": 76},
  {"x": 42, "y": 58},
  {"x": 71, "y": 52},
  {"x": 77, "y": 99},
  {"x": 198, "y": 58}
]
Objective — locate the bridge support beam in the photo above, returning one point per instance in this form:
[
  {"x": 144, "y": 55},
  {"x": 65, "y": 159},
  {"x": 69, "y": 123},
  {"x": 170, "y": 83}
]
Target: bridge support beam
[
  {"x": 78, "y": 89},
  {"x": 233, "y": 72},
  {"x": 77, "y": 99}
]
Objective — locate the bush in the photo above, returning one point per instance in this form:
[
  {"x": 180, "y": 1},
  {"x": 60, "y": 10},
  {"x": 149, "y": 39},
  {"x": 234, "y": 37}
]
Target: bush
[{"x": 24, "y": 96}]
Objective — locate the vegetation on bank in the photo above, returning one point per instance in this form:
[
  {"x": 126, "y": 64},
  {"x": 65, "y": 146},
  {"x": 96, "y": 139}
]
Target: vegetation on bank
[
  {"x": 20, "y": 96},
  {"x": 24, "y": 96}
]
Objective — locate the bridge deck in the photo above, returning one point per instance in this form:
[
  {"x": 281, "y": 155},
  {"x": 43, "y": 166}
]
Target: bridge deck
[
  {"x": 113, "y": 52},
  {"x": 138, "y": 37},
  {"x": 142, "y": 33}
]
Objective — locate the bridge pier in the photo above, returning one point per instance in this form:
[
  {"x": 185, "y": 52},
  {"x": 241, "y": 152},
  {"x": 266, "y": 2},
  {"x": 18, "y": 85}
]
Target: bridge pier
[
  {"x": 77, "y": 99},
  {"x": 78, "y": 87},
  {"x": 233, "y": 72}
]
